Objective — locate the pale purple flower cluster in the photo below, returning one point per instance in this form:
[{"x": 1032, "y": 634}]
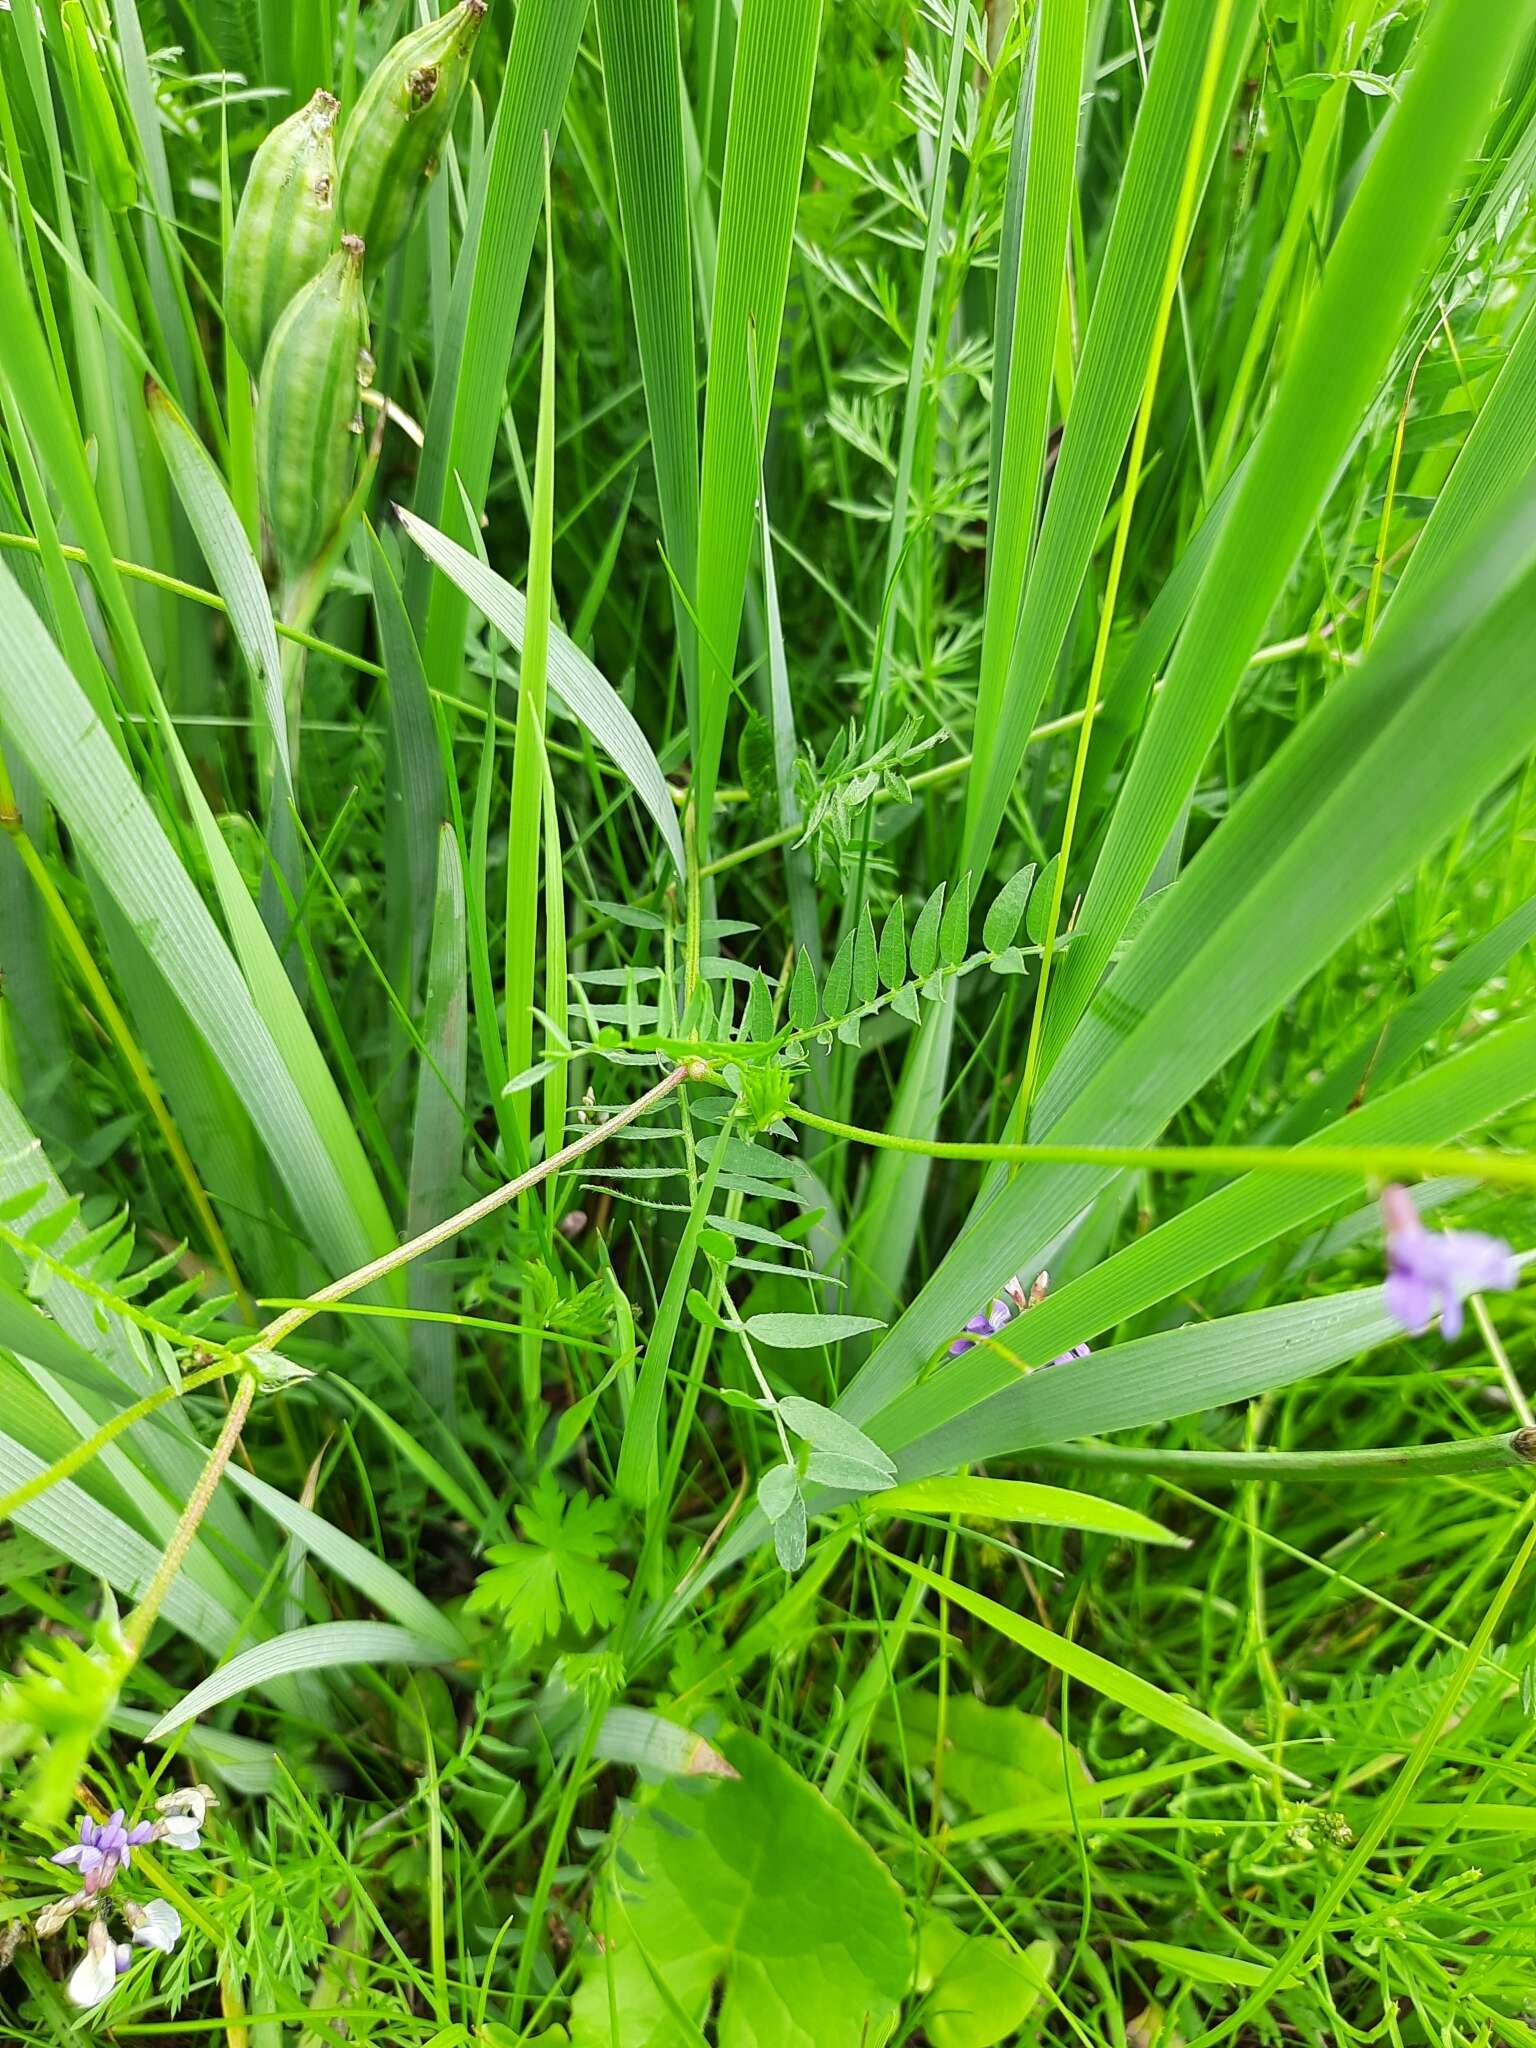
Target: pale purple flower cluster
[
  {"x": 104, "y": 1846},
  {"x": 1432, "y": 1272},
  {"x": 1013, "y": 1302}
]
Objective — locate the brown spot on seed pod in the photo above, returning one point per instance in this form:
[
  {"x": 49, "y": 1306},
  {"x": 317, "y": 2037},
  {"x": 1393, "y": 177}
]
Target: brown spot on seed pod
[{"x": 422, "y": 84}]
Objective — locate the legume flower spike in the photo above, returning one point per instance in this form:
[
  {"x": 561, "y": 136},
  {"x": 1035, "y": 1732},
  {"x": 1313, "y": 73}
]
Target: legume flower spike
[
  {"x": 104, "y": 1847},
  {"x": 1002, "y": 1311},
  {"x": 1433, "y": 1272}
]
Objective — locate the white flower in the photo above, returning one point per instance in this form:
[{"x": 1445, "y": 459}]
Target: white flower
[
  {"x": 183, "y": 1814},
  {"x": 157, "y": 1925},
  {"x": 96, "y": 1972},
  {"x": 180, "y": 1831}
]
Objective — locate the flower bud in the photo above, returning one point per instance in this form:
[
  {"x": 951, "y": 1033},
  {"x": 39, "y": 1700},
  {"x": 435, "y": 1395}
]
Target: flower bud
[
  {"x": 400, "y": 127},
  {"x": 307, "y": 413},
  {"x": 285, "y": 230}
]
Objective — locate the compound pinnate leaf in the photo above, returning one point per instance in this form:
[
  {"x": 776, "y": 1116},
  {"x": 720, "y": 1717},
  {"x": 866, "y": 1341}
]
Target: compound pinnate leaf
[{"x": 737, "y": 1876}]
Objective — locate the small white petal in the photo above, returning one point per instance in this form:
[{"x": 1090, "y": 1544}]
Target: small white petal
[
  {"x": 92, "y": 1977},
  {"x": 158, "y": 1925},
  {"x": 123, "y": 1954},
  {"x": 181, "y": 1831}
]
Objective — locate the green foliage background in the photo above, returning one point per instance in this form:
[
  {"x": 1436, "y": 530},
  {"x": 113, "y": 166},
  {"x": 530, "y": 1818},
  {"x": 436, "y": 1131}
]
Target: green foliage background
[{"x": 948, "y": 598}]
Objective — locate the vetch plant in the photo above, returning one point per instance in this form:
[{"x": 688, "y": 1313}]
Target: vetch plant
[
  {"x": 102, "y": 1850},
  {"x": 1432, "y": 1273},
  {"x": 676, "y": 682}
]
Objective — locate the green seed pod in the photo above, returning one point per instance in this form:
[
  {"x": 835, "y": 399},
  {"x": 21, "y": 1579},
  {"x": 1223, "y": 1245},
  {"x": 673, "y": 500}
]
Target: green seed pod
[
  {"x": 308, "y": 422},
  {"x": 400, "y": 126},
  {"x": 285, "y": 230}
]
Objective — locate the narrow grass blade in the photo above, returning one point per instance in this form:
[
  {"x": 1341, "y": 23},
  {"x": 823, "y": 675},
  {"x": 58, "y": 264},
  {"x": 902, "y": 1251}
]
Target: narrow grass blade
[
  {"x": 589, "y": 698},
  {"x": 417, "y": 801},
  {"x": 642, "y": 87},
  {"x": 1136, "y": 1694},
  {"x": 438, "y": 1129},
  {"x": 764, "y": 158},
  {"x": 1341, "y": 354},
  {"x": 1105, "y": 395}
]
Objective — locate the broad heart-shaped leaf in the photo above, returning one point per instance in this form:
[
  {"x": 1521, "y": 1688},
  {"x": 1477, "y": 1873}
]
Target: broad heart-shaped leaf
[
  {"x": 996, "y": 1759},
  {"x": 979, "y": 1991},
  {"x": 738, "y": 1879},
  {"x": 585, "y": 693}
]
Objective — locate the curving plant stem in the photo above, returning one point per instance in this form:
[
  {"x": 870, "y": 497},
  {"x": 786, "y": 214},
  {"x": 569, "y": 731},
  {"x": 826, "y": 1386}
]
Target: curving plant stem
[{"x": 139, "y": 1623}]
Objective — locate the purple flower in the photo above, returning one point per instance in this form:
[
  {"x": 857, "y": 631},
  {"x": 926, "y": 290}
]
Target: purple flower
[
  {"x": 1431, "y": 1272},
  {"x": 982, "y": 1326},
  {"x": 104, "y": 1846},
  {"x": 1003, "y": 1311}
]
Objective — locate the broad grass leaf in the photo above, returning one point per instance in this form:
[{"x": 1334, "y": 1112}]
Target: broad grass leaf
[
  {"x": 312, "y": 1143},
  {"x": 1341, "y": 352},
  {"x": 327, "y": 1646},
  {"x": 735, "y": 1879},
  {"x": 438, "y": 1127},
  {"x": 469, "y": 385},
  {"x": 376, "y": 1581},
  {"x": 1150, "y": 1379},
  {"x": 775, "y": 62},
  {"x": 89, "y": 1535},
  {"x": 1353, "y": 802},
  {"x": 1444, "y": 1102},
  {"x": 1021, "y": 1500},
  {"x": 641, "y": 74}
]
